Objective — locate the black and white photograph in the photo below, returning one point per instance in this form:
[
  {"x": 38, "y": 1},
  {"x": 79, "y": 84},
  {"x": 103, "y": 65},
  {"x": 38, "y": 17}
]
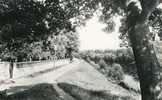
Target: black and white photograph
[{"x": 80, "y": 49}]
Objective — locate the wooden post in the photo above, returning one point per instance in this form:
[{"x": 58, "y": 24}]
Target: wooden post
[{"x": 55, "y": 48}]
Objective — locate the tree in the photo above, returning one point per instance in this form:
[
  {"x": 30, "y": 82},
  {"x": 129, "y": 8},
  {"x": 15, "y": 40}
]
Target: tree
[
  {"x": 64, "y": 41},
  {"x": 22, "y": 22},
  {"x": 29, "y": 21},
  {"x": 149, "y": 69}
]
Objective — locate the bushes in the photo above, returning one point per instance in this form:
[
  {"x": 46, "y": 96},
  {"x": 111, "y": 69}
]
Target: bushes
[
  {"x": 105, "y": 64},
  {"x": 116, "y": 72},
  {"x": 106, "y": 58},
  {"x": 102, "y": 64}
]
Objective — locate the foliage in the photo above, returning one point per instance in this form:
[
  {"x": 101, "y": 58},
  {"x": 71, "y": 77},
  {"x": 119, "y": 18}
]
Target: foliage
[
  {"x": 121, "y": 56},
  {"x": 60, "y": 44},
  {"x": 102, "y": 64},
  {"x": 21, "y": 19},
  {"x": 116, "y": 72},
  {"x": 25, "y": 23},
  {"x": 109, "y": 58}
]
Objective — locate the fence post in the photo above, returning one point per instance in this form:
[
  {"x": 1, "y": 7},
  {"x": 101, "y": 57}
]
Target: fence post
[{"x": 55, "y": 48}]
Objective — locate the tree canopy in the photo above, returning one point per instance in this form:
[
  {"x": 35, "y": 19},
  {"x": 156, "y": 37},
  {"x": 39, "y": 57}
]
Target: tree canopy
[{"x": 29, "y": 21}]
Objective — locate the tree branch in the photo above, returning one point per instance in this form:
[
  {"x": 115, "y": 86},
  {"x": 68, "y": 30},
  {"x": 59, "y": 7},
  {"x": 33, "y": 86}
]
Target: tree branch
[{"x": 148, "y": 6}]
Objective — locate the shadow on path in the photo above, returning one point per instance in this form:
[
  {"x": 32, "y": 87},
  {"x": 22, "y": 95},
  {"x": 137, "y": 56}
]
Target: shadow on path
[{"x": 44, "y": 71}]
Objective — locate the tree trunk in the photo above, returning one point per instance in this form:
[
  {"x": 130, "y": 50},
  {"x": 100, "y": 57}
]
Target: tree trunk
[{"x": 148, "y": 67}]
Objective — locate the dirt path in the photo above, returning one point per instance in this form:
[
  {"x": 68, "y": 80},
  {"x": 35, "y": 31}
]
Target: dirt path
[{"x": 44, "y": 76}]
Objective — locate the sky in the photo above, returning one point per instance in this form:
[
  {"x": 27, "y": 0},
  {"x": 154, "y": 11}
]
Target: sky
[{"x": 92, "y": 37}]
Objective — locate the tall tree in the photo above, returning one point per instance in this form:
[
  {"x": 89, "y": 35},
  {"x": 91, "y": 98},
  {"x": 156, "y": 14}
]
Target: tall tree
[
  {"x": 149, "y": 69},
  {"x": 21, "y": 22},
  {"x": 26, "y": 21}
]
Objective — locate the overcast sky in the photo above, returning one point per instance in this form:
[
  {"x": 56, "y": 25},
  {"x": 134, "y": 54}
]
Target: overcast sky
[{"x": 92, "y": 37}]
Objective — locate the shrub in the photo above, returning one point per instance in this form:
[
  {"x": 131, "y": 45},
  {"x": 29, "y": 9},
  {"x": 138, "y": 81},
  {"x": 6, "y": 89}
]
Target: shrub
[
  {"x": 102, "y": 64},
  {"x": 124, "y": 57},
  {"x": 76, "y": 55},
  {"x": 115, "y": 72}
]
